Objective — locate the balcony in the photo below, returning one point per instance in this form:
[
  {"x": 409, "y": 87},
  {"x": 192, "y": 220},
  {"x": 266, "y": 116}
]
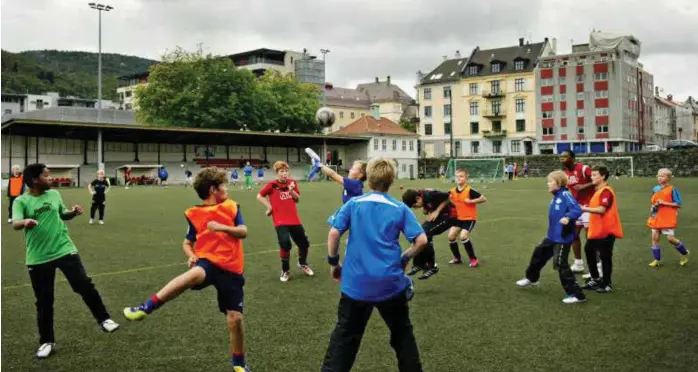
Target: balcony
[
  {"x": 494, "y": 113},
  {"x": 494, "y": 93},
  {"x": 493, "y": 134}
]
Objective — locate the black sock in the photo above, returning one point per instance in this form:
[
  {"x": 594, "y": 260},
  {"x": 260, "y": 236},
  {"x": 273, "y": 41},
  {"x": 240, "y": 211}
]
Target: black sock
[
  {"x": 303, "y": 256},
  {"x": 469, "y": 249},
  {"x": 454, "y": 249},
  {"x": 285, "y": 265}
]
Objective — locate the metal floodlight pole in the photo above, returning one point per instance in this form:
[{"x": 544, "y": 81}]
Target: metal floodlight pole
[
  {"x": 100, "y": 8},
  {"x": 324, "y": 59},
  {"x": 450, "y": 117}
]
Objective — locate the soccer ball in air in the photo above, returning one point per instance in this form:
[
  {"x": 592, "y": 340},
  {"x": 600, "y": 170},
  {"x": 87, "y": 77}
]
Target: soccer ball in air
[{"x": 325, "y": 117}]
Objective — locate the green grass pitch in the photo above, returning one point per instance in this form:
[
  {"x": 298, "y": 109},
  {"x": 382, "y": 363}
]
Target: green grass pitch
[{"x": 465, "y": 319}]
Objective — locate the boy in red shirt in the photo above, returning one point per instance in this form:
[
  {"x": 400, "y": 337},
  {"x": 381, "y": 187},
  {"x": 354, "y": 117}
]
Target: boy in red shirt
[
  {"x": 581, "y": 187},
  {"x": 280, "y": 197},
  {"x": 213, "y": 246}
]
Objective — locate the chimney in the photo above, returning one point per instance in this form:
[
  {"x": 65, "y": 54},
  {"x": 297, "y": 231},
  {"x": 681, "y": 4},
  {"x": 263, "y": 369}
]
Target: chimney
[
  {"x": 546, "y": 39},
  {"x": 521, "y": 41},
  {"x": 377, "y": 81},
  {"x": 669, "y": 97},
  {"x": 388, "y": 81},
  {"x": 457, "y": 53},
  {"x": 656, "y": 91},
  {"x": 554, "y": 46}
]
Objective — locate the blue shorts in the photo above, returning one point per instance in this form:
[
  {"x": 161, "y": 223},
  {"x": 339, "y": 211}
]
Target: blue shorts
[{"x": 228, "y": 285}]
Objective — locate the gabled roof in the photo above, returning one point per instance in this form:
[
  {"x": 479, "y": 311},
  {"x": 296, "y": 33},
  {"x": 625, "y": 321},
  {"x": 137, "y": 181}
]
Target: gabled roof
[
  {"x": 346, "y": 97},
  {"x": 384, "y": 92},
  {"x": 368, "y": 125},
  {"x": 448, "y": 70},
  {"x": 507, "y": 57}
]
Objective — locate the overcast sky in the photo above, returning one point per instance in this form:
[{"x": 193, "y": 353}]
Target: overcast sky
[{"x": 366, "y": 38}]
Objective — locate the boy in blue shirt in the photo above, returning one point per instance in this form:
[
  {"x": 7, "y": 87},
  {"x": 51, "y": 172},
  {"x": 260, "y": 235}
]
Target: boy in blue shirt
[
  {"x": 373, "y": 272},
  {"x": 353, "y": 184},
  {"x": 234, "y": 177},
  {"x": 562, "y": 215},
  {"x": 163, "y": 175},
  {"x": 260, "y": 175}
]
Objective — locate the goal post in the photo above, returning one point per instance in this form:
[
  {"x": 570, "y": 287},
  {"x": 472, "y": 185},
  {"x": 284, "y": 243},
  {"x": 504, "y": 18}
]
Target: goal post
[
  {"x": 617, "y": 165},
  {"x": 482, "y": 170}
]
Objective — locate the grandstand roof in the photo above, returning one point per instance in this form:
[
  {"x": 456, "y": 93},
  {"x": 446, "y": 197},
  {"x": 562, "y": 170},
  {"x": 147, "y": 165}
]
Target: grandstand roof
[{"x": 120, "y": 126}]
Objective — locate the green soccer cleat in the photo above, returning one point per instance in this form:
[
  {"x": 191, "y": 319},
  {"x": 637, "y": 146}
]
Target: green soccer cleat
[{"x": 134, "y": 313}]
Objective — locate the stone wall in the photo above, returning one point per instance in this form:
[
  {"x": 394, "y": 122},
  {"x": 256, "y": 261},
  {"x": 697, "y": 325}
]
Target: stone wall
[{"x": 684, "y": 163}]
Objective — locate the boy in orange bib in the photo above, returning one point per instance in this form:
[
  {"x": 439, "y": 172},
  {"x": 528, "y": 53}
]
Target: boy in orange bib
[
  {"x": 465, "y": 200},
  {"x": 604, "y": 229},
  {"x": 664, "y": 212}
]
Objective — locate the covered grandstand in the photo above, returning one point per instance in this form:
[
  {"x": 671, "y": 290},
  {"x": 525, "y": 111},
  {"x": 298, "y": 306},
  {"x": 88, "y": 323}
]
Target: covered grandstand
[{"x": 66, "y": 135}]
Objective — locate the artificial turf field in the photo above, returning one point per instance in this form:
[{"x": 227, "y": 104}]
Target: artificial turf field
[{"x": 464, "y": 319}]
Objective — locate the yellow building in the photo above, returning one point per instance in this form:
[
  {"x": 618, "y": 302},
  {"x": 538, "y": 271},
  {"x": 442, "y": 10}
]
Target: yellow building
[{"x": 492, "y": 105}]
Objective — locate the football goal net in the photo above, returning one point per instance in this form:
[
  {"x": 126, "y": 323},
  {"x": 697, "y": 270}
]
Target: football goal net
[
  {"x": 319, "y": 176},
  {"x": 479, "y": 170},
  {"x": 617, "y": 165}
]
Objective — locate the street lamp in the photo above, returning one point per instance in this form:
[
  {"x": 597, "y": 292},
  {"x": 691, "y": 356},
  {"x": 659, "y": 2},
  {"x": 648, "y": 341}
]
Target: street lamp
[
  {"x": 100, "y": 8},
  {"x": 450, "y": 119}
]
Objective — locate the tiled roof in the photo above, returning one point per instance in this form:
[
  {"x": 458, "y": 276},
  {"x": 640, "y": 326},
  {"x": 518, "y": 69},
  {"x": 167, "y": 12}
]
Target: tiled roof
[
  {"x": 448, "y": 70},
  {"x": 507, "y": 57},
  {"x": 384, "y": 92},
  {"x": 368, "y": 125},
  {"x": 347, "y": 97}
]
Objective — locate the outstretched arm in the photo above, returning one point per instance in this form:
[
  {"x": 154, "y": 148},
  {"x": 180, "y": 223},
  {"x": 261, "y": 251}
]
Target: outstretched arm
[{"x": 329, "y": 172}]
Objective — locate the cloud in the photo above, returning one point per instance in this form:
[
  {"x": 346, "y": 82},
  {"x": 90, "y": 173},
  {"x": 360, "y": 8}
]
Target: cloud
[{"x": 366, "y": 38}]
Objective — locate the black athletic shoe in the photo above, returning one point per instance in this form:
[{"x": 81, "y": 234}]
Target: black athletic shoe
[
  {"x": 591, "y": 285},
  {"x": 414, "y": 270},
  {"x": 429, "y": 273},
  {"x": 604, "y": 289}
]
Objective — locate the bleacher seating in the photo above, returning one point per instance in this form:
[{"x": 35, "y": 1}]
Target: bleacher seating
[
  {"x": 62, "y": 182},
  {"x": 228, "y": 163}
]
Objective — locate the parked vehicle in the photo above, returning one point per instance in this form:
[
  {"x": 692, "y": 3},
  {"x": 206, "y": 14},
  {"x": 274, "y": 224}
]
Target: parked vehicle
[
  {"x": 681, "y": 144},
  {"x": 652, "y": 147}
]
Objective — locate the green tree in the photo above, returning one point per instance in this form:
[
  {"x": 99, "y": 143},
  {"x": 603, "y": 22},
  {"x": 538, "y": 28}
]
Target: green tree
[
  {"x": 410, "y": 125},
  {"x": 190, "y": 89}
]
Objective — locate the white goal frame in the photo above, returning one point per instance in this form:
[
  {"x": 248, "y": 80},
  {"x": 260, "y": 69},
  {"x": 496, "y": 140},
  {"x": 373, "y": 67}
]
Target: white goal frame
[
  {"x": 590, "y": 160},
  {"x": 499, "y": 175}
]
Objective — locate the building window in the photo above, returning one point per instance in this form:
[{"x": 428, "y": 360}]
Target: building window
[
  {"x": 546, "y": 98},
  {"x": 601, "y": 76},
  {"x": 457, "y": 148},
  {"x": 473, "y": 109},
  {"x": 447, "y": 110},
  {"x": 472, "y": 70},
  {"x": 516, "y": 146},
  {"x": 341, "y": 114},
  {"x": 353, "y": 114},
  {"x": 602, "y": 111},
  {"x": 497, "y": 126},
  {"x": 521, "y": 125},
  {"x": 473, "y": 89},
  {"x": 519, "y": 65},
  {"x": 562, "y": 80},
  {"x": 496, "y": 107},
  {"x": 519, "y": 84},
  {"x": 580, "y": 113},
  {"x": 128, "y": 93},
  {"x": 494, "y": 86},
  {"x": 427, "y": 111},
  {"x": 394, "y": 145},
  {"x": 375, "y": 144},
  {"x": 411, "y": 145},
  {"x": 427, "y": 93},
  {"x": 474, "y": 127},
  {"x": 546, "y": 82},
  {"x": 404, "y": 145},
  {"x": 547, "y": 115},
  {"x": 8, "y": 111},
  {"x": 602, "y": 129},
  {"x": 547, "y": 64},
  {"x": 497, "y": 147},
  {"x": 475, "y": 147},
  {"x": 520, "y": 105},
  {"x": 447, "y": 128},
  {"x": 563, "y": 113},
  {"x": 427, "y": 129},
  {"x": 548, "y": 131},
  {"x": 384, "y": 144},
  {"x": 580, "y": 78},
  {"x": 580, "y": 130},
  {"x": 404, "y": 167},
  {"x": 580, "y": 96},
  {"x": 496, "y": 67},
  {"x": 601, "y": 94},
  {"x": 447, "y": 92}
]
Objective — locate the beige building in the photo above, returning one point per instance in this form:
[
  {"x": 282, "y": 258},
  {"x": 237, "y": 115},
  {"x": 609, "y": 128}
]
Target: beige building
[
  {"x": 488, "y": 100},
  {"x": 693, "y": 104}
]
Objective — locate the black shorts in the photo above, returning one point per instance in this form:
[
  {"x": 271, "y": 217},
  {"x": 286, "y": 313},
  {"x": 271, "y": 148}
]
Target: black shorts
[
  {"x": 228, "y": 285},
  {"x": 296, "y": 232},
  {"x": 163, "y": 179},
  {"x": 98, "y": 200},
  {"x": 465, "y": 224}
]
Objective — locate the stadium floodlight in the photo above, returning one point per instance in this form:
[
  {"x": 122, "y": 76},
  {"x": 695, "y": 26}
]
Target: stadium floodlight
[{"x": 100, "y": 8}]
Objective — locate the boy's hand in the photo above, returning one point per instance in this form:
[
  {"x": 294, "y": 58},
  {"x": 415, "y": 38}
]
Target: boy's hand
[
  {"x": 77, "y": 209},
  {"x": 336, "y": 272},
  {"x": 192, "y": 261},
  {"x": 29, "y": 223},
  {"x": 215, "y": 226},
  {"x": 292, "y": 186},
  {"x": 269, "y": 211},
  {"x": 432, "y": 216},
  {"x": 564, "y": 220}
]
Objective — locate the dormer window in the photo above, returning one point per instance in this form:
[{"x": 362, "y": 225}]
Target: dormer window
[
  {"x": 472, "y": 70},
  {"x": 519, "y": 65},
  {"x": 496, "y": 67}
]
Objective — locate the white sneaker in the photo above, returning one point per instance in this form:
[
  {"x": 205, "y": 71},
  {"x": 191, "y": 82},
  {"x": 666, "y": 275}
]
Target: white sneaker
[
  {"x": 577, "y": 268},
  {"x": 46, "y": 350},
  {"x": 285, "y": 276},
  {"x": 526, "y": 283},
  {"x": 573, "y": 300},
  {"x": 101, "y": 222},
  {"x": 91, "y": 221},
  {"x": 109, "y": 326},
  {"x": 9, "y": 220},
  {"x": 306, "y": 270}
]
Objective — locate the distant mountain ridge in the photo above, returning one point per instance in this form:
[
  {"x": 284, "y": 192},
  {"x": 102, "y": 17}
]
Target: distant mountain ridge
[{"x": 70, "y": 73}]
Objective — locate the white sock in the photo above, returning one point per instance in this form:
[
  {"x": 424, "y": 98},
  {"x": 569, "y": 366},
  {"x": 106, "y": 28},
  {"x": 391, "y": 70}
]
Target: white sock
[{"x": 578, "y": 262}]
